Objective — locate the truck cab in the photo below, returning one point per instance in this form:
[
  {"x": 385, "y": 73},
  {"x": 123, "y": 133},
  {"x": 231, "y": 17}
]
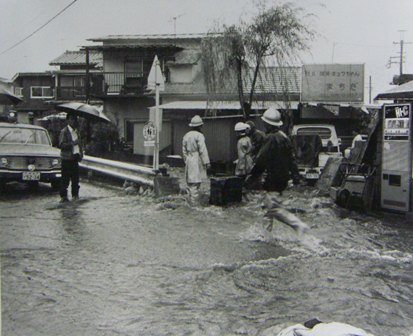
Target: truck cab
[{"x": 314, "y": 144}]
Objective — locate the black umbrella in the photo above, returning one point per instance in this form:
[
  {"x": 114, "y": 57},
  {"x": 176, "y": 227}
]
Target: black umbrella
[
  {"x": 86, "y": 111},
  {"x": 8, "y": 98}
]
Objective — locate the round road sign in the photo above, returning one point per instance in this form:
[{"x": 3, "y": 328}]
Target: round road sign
[{"x": 149, "y": 131}]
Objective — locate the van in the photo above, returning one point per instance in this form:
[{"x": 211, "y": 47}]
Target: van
[{"x": 314, "y": 144}]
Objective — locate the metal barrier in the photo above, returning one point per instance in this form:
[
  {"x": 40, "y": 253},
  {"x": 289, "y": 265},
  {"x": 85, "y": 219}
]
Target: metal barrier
[{"x": 123, "y": 170}]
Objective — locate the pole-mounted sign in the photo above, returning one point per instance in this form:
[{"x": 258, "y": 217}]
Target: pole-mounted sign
[
  {"x": 157, "y": 82},
  {"x": 149, "y": 134}
]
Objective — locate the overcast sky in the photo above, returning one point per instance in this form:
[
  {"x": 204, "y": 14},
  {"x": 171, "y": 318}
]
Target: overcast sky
[{"x": 351, "y": 31}]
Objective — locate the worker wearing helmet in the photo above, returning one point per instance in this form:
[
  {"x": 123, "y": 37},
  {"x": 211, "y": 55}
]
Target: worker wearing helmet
[
  {"x": 244, "y": 162},
  {"x": 195, "y": 155},
  {"x": 276, "y": 156},
  {"x": 257, "y": 138}
]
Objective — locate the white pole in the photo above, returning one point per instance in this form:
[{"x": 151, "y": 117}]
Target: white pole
[{"x": 156, "y": 147}]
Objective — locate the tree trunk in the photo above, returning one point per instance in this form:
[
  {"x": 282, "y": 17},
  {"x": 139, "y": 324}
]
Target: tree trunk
[
  {"x": 240, "y": 87},
  {"x": 254, "y": 81}
]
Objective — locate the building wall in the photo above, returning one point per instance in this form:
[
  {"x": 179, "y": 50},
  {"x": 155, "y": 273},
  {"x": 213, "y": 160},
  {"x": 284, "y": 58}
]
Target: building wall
[
  {"x": 114, "y": 62},
  {"x": 219, "y": 135},
  {"x": 33, "y": 107},
  {"x": 138, "y": 141},
  {"x": 131, "y": 113},
  {"x": 128, "y": 110},
  {"x": 182, "y": 74}
]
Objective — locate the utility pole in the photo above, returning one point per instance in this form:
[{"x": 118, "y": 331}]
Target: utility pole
[
  {"x": 401, "y": 56},
  {"x": 87, "y": 79},
  {"x": 370, "y": 89}
]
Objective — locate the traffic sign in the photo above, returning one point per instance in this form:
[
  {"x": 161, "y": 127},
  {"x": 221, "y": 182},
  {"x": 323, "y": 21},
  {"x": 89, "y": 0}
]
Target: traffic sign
[
  {"x": 149, "y": 131},
  {"x": 149, "y": 143},
  {"x": 155, "y": 78}
]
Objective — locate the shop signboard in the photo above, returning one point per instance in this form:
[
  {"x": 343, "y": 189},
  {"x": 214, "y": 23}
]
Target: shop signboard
[{"x": 332, "y": 83}]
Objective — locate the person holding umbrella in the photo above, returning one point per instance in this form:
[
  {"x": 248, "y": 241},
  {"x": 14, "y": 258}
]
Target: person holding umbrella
[{"x": 71, "y": 153}]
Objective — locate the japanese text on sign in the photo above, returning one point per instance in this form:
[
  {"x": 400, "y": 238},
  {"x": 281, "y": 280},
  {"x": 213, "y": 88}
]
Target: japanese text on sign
[{"x": 333, "y": 83}]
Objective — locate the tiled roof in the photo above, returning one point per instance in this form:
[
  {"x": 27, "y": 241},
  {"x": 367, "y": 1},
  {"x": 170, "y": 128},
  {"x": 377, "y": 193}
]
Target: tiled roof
[
  {"x": 32, "y": 74},
  {"x": 110, "y": 38},
  {"x": 276, "y": 80},
  {"x": 78, "y": 58},
  {"x": 270, "y": 81}
]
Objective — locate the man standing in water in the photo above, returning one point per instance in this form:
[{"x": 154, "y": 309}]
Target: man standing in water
[
  {"x": 276, "y": 156},
  {"x": 71, "y": 153},
  {"x": 195, "y": 155}
]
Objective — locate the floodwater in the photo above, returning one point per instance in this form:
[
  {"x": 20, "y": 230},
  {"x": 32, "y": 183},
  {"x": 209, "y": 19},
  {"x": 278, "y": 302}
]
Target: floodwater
[{"x": 118, "y": 264}]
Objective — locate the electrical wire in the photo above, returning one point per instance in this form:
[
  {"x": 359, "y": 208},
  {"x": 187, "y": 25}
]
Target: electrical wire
[{"x": 42, "y": 26}]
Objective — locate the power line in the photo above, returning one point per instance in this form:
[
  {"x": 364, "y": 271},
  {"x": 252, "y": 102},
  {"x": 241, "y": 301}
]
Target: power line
[{"x": 42, "y": 26}]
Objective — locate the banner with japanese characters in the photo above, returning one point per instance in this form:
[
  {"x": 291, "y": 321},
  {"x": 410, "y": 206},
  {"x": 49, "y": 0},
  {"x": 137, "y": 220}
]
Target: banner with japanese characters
[{"x": 332, "y": 83}]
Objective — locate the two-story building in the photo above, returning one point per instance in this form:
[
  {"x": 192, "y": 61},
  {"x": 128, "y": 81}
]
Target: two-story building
[
  {"x": 35, "y": 89},
  {"x": 74, "y": 70},
  {"x": 41, "y": 91},
  {"x": 127, "y": 61}
]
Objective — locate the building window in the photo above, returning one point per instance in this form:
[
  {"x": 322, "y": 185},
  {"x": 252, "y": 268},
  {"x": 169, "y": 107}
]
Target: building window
[
  {"x": 41, "y": 92},
  {"x": 72, "y": 81},
  {"x": 18, "y": 91},
  {"x": 133, "y": 69}
]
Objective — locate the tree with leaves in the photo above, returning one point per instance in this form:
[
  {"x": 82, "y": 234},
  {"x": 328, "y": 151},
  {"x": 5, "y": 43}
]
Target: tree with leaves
[{"x": 234, "y": 59}]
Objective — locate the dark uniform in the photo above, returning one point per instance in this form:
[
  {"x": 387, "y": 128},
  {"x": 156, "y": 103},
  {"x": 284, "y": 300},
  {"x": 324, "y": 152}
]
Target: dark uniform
[
  {"x": 257, "y": 138},
  {"x": 276, "y": 158}
]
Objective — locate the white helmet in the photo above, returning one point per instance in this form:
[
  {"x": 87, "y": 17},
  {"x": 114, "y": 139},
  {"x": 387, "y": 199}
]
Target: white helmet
[
  {"x": 272, "y": 116},
  {"x": 196, "y": 121},
  {"x": 240, "y": 126}
]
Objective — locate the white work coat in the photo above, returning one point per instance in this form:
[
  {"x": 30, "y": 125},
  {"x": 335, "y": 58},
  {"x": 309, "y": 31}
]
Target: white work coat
[
  {"x": 244, "y": 163},
  {"x": 195, "y": 155}
]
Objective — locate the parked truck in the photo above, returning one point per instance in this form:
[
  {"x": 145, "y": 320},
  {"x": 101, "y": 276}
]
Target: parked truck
[{"x": 314, "y": 144}]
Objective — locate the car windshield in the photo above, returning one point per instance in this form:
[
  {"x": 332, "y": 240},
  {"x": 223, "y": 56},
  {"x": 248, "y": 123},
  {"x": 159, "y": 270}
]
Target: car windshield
[{"x": 14, "y": 135}]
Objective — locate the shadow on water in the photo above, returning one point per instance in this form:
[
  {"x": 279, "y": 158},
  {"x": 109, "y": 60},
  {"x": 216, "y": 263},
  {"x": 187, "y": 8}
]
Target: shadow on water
[{"x": 73, "y": 222}]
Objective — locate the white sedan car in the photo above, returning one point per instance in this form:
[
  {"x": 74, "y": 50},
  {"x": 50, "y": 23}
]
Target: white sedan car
[{"x": 27, "y": 155}]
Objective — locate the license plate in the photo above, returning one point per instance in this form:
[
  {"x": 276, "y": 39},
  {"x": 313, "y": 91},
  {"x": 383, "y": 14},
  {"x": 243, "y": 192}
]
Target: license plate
[
  {"x": 31, "y": 176},
  {"x": 312, "y": 176}
]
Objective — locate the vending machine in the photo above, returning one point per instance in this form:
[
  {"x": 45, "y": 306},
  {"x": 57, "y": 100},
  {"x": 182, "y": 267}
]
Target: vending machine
[{"x": 397, "y": 157}]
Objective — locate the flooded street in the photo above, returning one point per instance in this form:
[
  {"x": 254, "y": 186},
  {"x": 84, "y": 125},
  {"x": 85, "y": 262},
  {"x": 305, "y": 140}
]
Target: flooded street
[{"x": 118, "y": 264}]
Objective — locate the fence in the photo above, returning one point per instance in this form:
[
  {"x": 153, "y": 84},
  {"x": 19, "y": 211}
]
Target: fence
[{"x": 127, "y": 171}]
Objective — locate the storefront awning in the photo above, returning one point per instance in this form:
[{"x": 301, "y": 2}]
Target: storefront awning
[{"x": 223, "y": 105}]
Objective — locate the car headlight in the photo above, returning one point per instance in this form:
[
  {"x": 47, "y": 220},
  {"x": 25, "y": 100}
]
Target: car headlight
[
  {"x": 55, "y": 162},
  {"x": 4, "y": 161}
]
